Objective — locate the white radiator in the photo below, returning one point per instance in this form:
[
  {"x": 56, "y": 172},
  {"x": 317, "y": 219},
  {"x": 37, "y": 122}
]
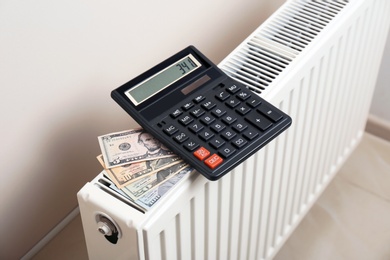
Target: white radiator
[{"x": 315, "y": 60}]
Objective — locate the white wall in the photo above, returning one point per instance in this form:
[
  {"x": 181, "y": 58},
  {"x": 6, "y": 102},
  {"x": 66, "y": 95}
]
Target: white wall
[{"x": 59, "y": 61}]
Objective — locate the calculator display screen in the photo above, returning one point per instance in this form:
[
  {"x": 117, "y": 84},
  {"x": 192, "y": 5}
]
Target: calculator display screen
[{"x": 163, "y": 79}]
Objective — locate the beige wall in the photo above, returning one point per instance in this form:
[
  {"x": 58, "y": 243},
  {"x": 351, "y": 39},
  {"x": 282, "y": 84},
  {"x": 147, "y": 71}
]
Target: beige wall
[{"x": 59, "y": 60}]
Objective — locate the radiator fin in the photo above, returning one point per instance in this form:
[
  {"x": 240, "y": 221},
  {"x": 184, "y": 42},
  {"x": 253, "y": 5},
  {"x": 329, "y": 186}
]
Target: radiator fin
[{"x": 281, "y": 39}]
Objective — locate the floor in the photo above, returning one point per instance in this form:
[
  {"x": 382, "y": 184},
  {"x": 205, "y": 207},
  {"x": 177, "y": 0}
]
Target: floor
[{"x": 351, "y": 219}]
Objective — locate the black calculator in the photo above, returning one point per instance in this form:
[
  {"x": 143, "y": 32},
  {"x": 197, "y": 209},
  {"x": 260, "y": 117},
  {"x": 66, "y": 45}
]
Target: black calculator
[{"x": 211, "y": 121}]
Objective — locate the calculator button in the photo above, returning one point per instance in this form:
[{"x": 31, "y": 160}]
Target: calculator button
[
  {"x": 199, "y": 99},
  {"x": 176, "y": 113},
  {"x": 217, "y": 142},
  {"x": 185, "y": 120},
  {"x": 228, "y": 134},
  {"x": 208, "y": 105},
  {"x": 232, "y": 103},
  {"x": 239, "y": 127},
  {"x": 170, "y": 130},
  {"x": 190, "y": 145},
  {"x": 228, "y": 119},
  {"x": 259, "y": 121},
  {"x": 213, "y": 161},
  {"x": 250, "y": 134},
  {"x": 180, "y": 138},
  {"x": 253, "y": 102},
  {"x": 195, "y": 127},
  {"x": 243, "y": 110},
  {"x": 243, "y": 95},
  {"x": 207, "y": 119},
  {"x": 206, "y": 135},
  {"x": 270, "y": 113},
  {"x": 233, "y": 89},
  {"x": 202, "y": 153},
  {"x": 197, "y": 112},
  {"x": 239, "y": 142},
  {"x": 223, "y": 95},
  {"x": 226, "y": 151},
  {"x": 187, "y": 106},
  {"x": 218, "y": 112},
  {"x": 217, "y": 127}
]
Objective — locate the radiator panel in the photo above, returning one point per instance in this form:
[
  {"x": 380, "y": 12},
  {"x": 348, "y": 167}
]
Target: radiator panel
[{"x": 322, "y": 73}]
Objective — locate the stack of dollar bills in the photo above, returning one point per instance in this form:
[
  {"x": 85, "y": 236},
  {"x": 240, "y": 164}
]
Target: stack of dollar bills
[{"x": 140, "y": 166}]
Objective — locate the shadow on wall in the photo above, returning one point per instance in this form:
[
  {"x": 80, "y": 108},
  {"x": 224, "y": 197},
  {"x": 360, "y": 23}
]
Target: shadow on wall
[{"x": 67, "y": 160}]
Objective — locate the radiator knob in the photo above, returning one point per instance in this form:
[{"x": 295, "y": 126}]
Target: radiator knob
[
  {"x": 107, "y": 227},
  {"x": 104, "y": 229}
]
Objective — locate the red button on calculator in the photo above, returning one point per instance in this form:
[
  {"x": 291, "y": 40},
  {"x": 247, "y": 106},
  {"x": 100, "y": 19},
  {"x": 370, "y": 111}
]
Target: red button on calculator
[
  {"x": 202, "y": 153},
  {"x": 213, "y": 161}
]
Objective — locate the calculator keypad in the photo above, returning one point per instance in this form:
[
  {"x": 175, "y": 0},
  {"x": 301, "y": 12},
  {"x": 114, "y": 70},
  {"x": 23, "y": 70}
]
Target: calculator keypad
[{"x": 218, "y": 124}]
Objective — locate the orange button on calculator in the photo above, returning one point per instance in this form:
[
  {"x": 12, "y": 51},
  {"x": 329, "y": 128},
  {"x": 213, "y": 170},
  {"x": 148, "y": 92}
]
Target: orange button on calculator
[
  {"x": 213, "y": 161},
  {"x": 202, "y": 153}
]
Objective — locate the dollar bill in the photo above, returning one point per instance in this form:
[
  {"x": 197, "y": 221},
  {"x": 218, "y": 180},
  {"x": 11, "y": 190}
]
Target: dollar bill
[
  {"x": 131, "y": 146},
  {"x": 149, "y": 199},
  {"x": 125, "y": 174},
  {"x": 136, "y": 189},
  {"x": 114, "y": 188}
]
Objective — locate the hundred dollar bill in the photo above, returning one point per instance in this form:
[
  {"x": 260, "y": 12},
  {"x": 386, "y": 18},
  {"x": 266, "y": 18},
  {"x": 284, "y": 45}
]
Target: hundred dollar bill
[
  {"x": 136, "y": 189},
  {"x": 149, "y": 199},
  {"x": 131, "y": 146},
  {"x": 125, "y": 174}
]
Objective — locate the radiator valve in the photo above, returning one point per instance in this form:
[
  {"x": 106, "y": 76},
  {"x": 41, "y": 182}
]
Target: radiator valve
[{"x": 106, "y": 227}]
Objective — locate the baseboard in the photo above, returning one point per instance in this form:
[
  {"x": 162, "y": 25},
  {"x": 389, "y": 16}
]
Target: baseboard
[
  {"x": 378, "y": 126},
  {"x": 46, "y": 239}
]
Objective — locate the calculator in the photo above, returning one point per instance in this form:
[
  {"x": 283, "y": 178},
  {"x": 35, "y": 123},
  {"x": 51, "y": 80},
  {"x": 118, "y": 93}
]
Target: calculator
[{"x": 210, "y": 120}]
